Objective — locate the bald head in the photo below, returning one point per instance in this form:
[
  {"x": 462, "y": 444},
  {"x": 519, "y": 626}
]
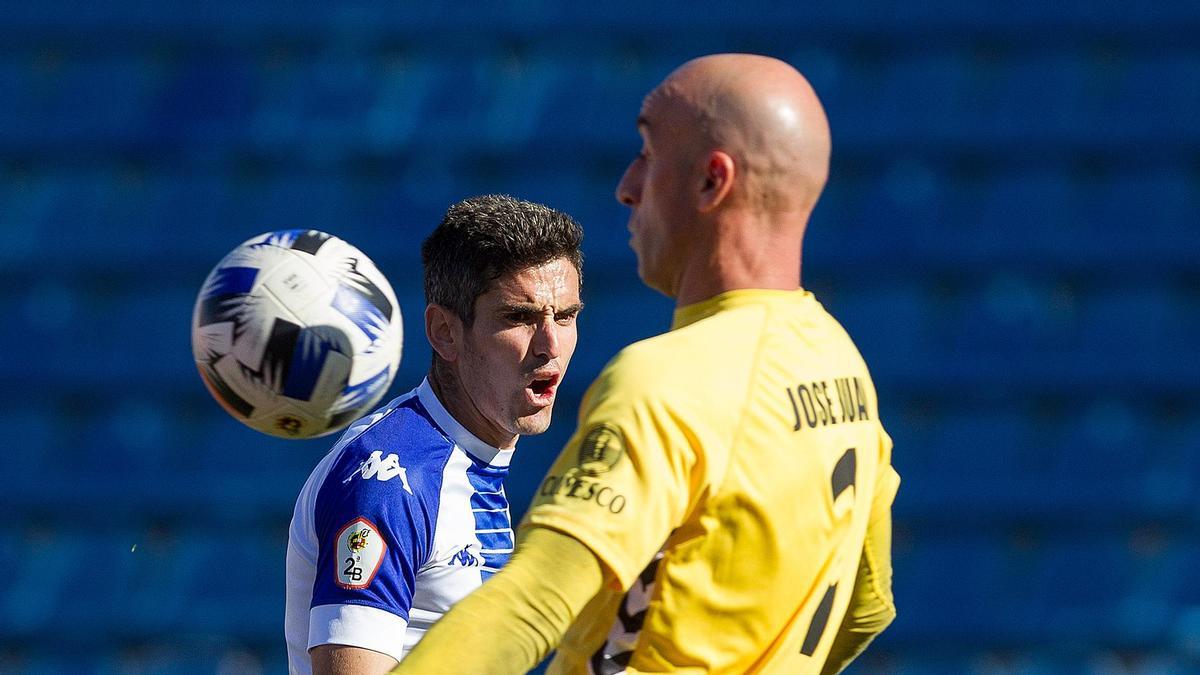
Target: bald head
[
  {"x": 735, "y": 153},
  {"x": 764, "y": 114}
]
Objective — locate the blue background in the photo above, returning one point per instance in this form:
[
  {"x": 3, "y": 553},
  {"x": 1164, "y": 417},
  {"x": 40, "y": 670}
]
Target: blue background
[{"x": 1011, "y": 233}]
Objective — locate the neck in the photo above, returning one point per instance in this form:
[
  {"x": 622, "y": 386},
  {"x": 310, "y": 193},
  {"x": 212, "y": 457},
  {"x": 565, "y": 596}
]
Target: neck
[
  {"x": 744, "y": 253},
  {"x": 444, "y": 381}
]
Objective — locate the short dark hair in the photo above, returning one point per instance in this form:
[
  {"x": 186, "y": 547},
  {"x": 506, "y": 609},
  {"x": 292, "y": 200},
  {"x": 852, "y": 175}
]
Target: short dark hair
[{"x": 483, "y": 238}]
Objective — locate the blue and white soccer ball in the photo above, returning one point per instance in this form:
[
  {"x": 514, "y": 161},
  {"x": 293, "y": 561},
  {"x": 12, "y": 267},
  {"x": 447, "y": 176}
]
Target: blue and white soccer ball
[{"x": 296, "y": 333}]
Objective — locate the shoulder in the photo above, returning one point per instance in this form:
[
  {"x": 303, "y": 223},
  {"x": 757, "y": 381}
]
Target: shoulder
[
  {"x": 397, "y": 457},
  {"x": 406, "y": 429},
  {"x": 716, "y": 352}
]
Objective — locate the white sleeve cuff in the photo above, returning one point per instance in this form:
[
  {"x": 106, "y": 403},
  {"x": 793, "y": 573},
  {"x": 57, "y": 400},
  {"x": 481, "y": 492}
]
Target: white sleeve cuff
[{"x": 357, "y": 626}]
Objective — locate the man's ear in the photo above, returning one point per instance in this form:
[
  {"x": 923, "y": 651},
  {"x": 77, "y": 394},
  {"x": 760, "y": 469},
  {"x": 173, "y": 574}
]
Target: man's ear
[
  {"x": 444, "y": 330},
  {"x": 719, "y": 174}
]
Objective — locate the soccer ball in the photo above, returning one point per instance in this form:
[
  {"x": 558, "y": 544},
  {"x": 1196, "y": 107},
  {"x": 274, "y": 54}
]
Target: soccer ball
[{"x": 296, "y": 333}]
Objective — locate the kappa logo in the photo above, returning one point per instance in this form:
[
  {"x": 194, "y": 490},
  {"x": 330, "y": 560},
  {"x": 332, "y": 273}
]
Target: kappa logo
[
  {"x": 382, "y": 468},
  {"x": 466, "y": 558}
]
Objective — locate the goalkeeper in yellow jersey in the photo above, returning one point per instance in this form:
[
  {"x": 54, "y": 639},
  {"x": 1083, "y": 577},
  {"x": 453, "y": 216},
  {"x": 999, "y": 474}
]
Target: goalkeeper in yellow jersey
[{"x": 724, "y": 505}]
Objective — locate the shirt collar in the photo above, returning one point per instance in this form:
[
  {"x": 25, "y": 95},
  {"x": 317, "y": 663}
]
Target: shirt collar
[
  {"x": 477, "y": 449},
  {"x": 694, "y": 312}
]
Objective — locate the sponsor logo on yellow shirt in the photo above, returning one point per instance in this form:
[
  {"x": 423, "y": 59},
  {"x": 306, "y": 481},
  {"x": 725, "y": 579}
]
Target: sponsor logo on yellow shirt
[{"x": 601, "y": 450}]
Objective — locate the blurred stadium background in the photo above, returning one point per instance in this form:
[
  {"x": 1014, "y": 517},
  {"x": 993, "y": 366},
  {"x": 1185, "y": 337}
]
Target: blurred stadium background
[{"x": 1011, "y": 231}]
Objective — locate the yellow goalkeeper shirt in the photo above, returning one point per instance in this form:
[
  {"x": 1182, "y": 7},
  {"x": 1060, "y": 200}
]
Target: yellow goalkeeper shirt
[{"x": 725, "y": 473}]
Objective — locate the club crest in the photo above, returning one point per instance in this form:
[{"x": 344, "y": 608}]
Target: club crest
[{"x": 601, "y": 450}]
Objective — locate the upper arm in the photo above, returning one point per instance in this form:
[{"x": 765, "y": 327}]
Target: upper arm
[
  {"x": 373, "y": 536},
  {"x": 872, "y": 600},
  {"x": 876, "y": 565},
  {"x": 344, "y": 660},
  {"x": 369, "y": 554},
  {"x": 872, "y": 607}
]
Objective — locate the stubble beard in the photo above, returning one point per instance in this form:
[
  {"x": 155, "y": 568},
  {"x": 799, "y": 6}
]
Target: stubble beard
[{"x": 534, "y": 424}]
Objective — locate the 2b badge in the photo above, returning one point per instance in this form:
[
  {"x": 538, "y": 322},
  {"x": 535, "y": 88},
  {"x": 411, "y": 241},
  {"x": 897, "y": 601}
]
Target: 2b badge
[{"x": 360, "y": 550}]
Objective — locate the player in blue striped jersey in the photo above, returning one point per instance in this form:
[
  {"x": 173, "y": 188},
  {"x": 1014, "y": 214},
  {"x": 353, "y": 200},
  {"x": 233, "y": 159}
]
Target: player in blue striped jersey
[{"x": 407, "y": 513}]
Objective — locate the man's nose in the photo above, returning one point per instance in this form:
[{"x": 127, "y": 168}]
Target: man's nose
[
  {"x": 546, "y": 340},
  {"x": 629, "y": 188}
]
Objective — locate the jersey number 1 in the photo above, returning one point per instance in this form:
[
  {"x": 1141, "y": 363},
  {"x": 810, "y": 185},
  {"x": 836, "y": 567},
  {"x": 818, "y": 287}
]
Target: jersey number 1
[{"x": 843, "y": 479}]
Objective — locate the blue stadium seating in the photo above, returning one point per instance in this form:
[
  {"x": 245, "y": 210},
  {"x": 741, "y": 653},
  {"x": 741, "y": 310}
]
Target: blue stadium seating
[
  {"x": 12, "y": 554},
  {"x": 1159, "y": 95},
  {"x": 253, "y": 580},
  {"x": 1010, "y": 234},
  {"x": 1147, "y": 218},
  {"x": 963, "y": 572},
  {"x": 894, "y": 319},
  {"x": 596, "y": 103}
]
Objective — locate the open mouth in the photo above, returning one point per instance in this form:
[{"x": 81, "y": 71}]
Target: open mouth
[{"x": 543, "y": 387}]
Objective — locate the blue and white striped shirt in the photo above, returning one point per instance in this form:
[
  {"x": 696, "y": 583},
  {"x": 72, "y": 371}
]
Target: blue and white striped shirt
[{"x": 404, "y": 517}]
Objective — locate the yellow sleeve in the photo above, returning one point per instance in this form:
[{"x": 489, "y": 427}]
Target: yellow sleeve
[
  {"x": 526, "y": 608},
  {"x": 626, "y": 478},
  {"x": 872, "y": 607}
]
